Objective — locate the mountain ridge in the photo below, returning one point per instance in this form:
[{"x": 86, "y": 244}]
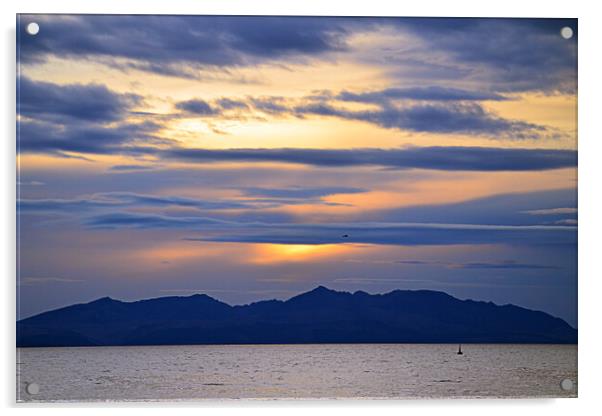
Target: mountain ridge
[{"x": 320, "y": 315}]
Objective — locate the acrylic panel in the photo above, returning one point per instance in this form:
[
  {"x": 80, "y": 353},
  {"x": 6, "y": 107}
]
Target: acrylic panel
[{"x": 236, "y": 207}]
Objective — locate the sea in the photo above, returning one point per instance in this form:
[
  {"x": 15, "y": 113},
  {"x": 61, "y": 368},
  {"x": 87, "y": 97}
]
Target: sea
[{"x": 318, "y": 371}]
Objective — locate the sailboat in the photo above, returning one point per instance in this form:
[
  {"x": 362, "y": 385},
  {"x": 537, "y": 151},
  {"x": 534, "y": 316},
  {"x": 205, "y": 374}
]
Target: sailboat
[{"x": 460, "y": 349}]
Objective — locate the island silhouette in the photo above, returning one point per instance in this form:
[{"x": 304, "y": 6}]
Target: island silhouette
[{"x": 321, "y": 315}]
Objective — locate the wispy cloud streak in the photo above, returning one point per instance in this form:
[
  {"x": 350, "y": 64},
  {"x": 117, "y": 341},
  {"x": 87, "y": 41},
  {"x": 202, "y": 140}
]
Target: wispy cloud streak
[{"x": 437, "y": 158}]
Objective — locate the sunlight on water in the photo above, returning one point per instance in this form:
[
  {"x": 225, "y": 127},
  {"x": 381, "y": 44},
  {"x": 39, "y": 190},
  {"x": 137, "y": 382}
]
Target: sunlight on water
[{"x": 295, "y": 371}]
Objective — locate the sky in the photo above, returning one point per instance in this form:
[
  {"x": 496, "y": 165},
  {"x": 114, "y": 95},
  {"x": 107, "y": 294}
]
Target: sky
[{"x": 254, "y": 158}]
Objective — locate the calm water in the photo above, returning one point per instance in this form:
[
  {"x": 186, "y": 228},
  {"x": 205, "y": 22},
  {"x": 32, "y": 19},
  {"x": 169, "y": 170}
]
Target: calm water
[{"x": 295, "y": 371}]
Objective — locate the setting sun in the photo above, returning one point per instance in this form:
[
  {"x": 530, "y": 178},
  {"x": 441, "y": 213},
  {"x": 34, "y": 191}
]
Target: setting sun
[{"x": 278, "y": 253}]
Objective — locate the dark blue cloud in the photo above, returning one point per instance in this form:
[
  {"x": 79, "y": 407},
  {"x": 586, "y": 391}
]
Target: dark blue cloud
[
  {"x": 438, "y": 158},
  {"x": 430, "y": 93},
  {"x": 434, "y": 118},
  {"x": 161, "y": 201},
  {"x": 432, "y": 110},
  {"x": 62, "y": 205},
  {"x": 263, "y": 198},
  {"x": 493, "y": 220},
  {"x": 504, "y": 54},
  {"x": 114, "y": 200},
  {"x": 131, "y": 168},
  {"x": 72, "y": 102},
  {"x": 424, "y": 109},
  {"x": 229, "y": 104},
  {"x": 271, "y": 105},
  {"x": 445, "y": 224},
  {"x": 137, "y": 220},
  {"x": 75, "y": 118},
  {"x": 197, "y": 107},
  {"x": 174, "y": 45},
  {"x": 88, "y": 138},
  {"x": 486, "y": 265},
  {"x": 505, "y": 265},
  {"x": 409, "y": 234}
]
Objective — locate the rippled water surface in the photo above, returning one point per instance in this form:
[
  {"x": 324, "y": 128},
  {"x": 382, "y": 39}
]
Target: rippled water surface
[{"x": 295, "y": 371}]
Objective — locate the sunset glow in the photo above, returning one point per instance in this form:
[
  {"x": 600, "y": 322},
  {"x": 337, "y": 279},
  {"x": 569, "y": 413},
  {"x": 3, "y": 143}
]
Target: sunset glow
[{"x": 272, "y": 154}]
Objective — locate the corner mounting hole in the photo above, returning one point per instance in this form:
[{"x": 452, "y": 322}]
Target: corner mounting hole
[
  {"x": 32, "y": 388},
  {"x": 566, "y": 32},
  {"x": 33, "y": 28},
  {"x": 566, "y": 384}
]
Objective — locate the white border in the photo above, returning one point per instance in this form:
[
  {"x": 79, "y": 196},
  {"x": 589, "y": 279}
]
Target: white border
[{"x": 590, "y": 197}]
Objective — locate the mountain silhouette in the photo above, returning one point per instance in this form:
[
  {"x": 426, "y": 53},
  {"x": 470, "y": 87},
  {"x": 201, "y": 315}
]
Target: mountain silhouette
[{"x": 321, "y": 315}]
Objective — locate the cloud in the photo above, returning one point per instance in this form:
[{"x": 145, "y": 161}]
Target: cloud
[
  {"x": 73, "y": 102},
  {"x": 508, "y": 209},
  {"x": 89, "y": 138},
  {"x": 131, "y": 168},
  {"x": 502, "y": 265},
  {"x": 466, "y": 118},
  {"x": 568, "y": 221},
  {"x": 507, "y": 264},
  {"x": 480, "y": 222},
  {"x": 161, "y": 201},
  {"x": 197, "y": 107},
  {"x": 30, "y": 183},
  {"x": 425, "y": 109},
  {"x": 300, "y": 192},
  {"x": 262, "y": 198},
  {"x": 179, "y": 45},
  {"x": 141, "y": 221},
  {"x": 113, "y": 200},
  {"x": 405, "y": 234},
  {"x": 437, "y": 158},
  {"x": 523, "y": 55},
  {"x": 222, "y": 108},
  {"x": 408, "y": 234},
  {"x": 552, "y": 211},
  {"x": 272, "y": 105},
  {"x": 228, "y": 104},
  {"x": 429, "y": 93},
  {"x": 75, "y": 118},
  {"x": 29, "y": 281}
]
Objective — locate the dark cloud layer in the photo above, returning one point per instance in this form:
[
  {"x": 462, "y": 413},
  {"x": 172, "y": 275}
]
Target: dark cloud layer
[
  {"x": 197, "y": 107},
  {"x": 485, "y": 265},
  {"x": 72, "y": 103},
  {"x": 476, "y": 221},
  {"x": 504, "y": 54},
  {"x": 88, "y": 138},
  {"x": 454, "y": 117},
  {"x": 428, "y": 109},
  {"x": 410, "y": 234},
  {"x": 137, "y": 220},
  {"x": 177, "y": 45},
  {"x": 116, "y": 200},
  {"x": 499, "y": 219},
  {"x": 77, "y": 118},
  {"x": 399, "y": 234},
  {"x": 255, "y": 198},
  {"x": 439, "y": 158},
  {"x": 431, "y": 93}
]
